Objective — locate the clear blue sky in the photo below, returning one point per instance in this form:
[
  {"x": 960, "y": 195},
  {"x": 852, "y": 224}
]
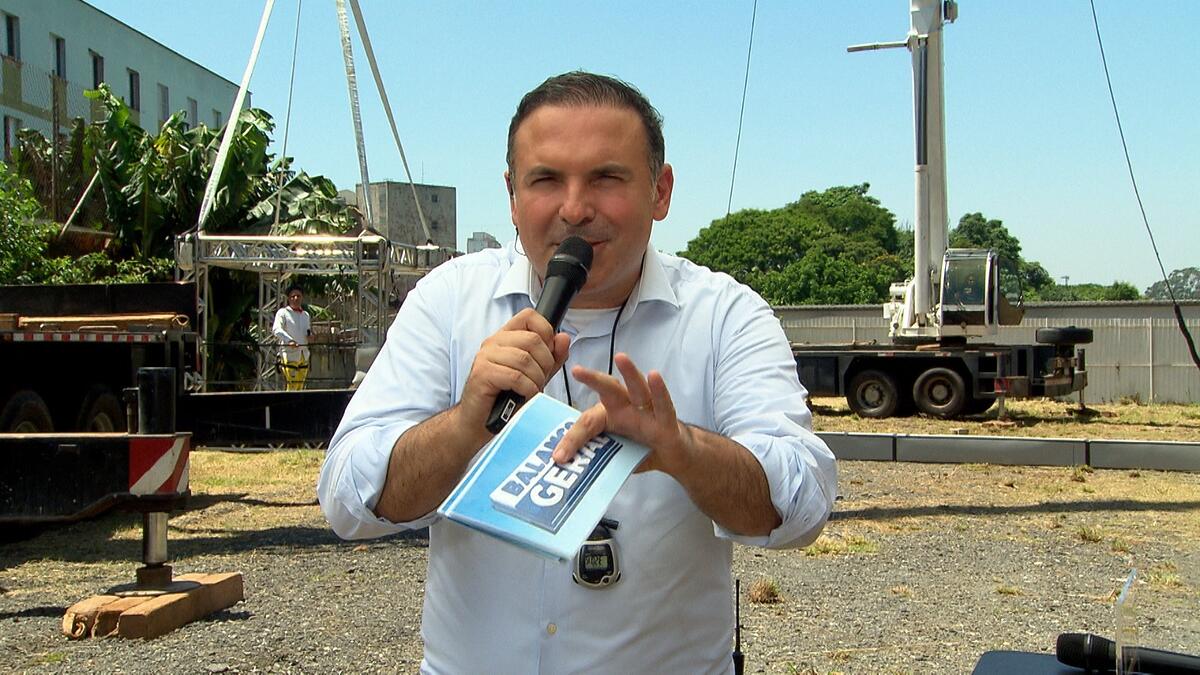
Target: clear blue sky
[{"x": 1030, "y": 133}]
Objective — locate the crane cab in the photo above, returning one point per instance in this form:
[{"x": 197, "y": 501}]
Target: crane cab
[{"x": 972, "y": 302}]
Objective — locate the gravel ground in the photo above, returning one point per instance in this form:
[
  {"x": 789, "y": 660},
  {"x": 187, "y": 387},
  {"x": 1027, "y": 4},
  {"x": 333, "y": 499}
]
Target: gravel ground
[{"x": 923, "y": 568}]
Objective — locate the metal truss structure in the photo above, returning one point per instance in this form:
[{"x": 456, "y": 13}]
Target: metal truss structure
[{"x": 383, "y": 271}]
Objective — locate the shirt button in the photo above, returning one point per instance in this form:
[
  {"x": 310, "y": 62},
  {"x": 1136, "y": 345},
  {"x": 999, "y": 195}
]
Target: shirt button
[{"x": 551, "y": 628}]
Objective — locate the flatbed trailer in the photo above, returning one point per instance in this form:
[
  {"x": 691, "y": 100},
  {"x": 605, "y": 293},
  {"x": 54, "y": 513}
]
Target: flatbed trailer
[{"x": 939, "y": 379}]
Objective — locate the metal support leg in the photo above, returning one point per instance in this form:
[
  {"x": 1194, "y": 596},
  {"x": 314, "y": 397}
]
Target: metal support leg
[{"x": 155, "y": 415}]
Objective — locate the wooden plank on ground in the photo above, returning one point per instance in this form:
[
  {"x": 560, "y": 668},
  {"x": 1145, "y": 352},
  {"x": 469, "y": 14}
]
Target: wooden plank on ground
[
  {"x": 152, "y": 616},
  {"x": 78, "y": 620},
  {"x": 106, "y": 619},
  {"x": 163, "y": 614}
]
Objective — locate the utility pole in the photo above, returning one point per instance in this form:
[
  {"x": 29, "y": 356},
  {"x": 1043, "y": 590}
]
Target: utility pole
[{"x": 1067, "y": 285}]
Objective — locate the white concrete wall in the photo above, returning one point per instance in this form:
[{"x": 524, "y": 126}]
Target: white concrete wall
[{"x": 86, "y": 28}]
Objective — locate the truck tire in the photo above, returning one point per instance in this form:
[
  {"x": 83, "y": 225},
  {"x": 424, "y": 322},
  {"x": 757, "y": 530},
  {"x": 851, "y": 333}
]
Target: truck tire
[
  {"x": 1069, "y": 335},
  {"x": 940, "y": 392},
  {"x": 978, "y": 406},
  {"x": 101, "y": 411},
  {"x": 873, "y": 394},
  {"x": 25, "y": 413}
]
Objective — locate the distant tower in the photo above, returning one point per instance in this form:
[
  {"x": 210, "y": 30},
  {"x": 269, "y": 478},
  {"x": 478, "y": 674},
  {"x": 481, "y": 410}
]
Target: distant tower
[
  {"x": 396, "y": 216},
  {"x": 480, "y": 241}
]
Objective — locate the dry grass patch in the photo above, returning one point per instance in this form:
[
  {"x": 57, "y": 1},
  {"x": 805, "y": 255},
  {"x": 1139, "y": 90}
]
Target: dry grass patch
[
  {"x": 765, "y": 592},
  {"x": 830, "y": 544},
  {"x": 1164, "y": 576},
  {"x": 1089, "y": 534},
  {"x": 1033, "y": 417}
]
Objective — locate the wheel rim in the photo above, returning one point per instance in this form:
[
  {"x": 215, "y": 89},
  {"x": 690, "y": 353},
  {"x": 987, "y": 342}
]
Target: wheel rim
[
  {"x": 102, "y": 423},
  {"x": 871, "y": 395},
  {"x": 940, "y": 392},
  {"x": 26, "y": 427}
]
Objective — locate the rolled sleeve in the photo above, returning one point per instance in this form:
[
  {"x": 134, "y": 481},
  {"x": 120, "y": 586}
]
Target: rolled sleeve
[
  {"x": 352, "y": 480},
  {"x": 802, "y": 476},
  {"x": 408, "y": 383},
  {"x": 760, "y": 404}
]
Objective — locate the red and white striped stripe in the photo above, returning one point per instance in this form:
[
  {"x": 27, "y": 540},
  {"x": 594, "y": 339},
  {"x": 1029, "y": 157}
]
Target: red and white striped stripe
[
  {"x": 62, "y": 336},
  {"x": 159, "y": 464}
]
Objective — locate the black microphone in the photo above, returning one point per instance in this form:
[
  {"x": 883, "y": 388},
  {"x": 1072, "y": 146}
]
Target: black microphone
[
  {"x": 1094, "y": 653},
  {"x": 565, "y": 275}
]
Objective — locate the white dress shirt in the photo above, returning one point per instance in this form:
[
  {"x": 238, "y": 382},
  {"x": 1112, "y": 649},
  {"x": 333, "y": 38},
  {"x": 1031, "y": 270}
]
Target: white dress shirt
[
  {"x": 292, "y": 326},
  {"x": 492, "y": 607}
]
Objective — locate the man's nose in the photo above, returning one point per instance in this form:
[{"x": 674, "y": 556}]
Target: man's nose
[{"x": 576, "y": 208}]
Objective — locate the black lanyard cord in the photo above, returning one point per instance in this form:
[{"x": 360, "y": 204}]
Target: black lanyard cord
[{"x": 612, "y": 345}]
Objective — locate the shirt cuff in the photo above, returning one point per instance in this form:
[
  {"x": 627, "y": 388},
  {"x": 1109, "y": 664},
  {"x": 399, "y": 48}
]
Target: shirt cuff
[
  {"x": 352, "y": 482},
  {"x": 802, "y": 476}
]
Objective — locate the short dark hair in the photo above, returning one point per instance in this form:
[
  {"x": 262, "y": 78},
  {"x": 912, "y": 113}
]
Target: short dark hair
[
  {"x": 294, "y": 287},
  {"x": 580, "y": 88}
]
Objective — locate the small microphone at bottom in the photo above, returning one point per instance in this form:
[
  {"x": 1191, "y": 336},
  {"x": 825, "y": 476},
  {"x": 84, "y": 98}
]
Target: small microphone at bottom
[{"x": 1094, "y": 653}]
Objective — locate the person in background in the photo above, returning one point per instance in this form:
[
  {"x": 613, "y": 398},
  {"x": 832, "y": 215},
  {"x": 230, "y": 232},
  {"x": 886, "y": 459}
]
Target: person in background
[
  {"x": 733, "y": 456},
  {"x": 292, "y": 327}
]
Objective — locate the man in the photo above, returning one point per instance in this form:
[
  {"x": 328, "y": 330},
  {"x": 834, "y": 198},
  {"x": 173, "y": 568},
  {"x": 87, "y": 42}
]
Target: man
[
  {"x": 292, "y": 327},
  {"x": 732, "y": 457}
]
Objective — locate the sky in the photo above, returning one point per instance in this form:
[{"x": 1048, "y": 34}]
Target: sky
[{"x": 1030, "y": 132}]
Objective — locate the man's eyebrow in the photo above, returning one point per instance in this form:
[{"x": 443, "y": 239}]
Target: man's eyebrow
[
  {"x": 541, "y": 171},
  {"x": 612, "y": 169}
]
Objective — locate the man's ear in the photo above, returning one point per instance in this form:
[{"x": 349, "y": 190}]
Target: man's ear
[
  {"x": 512, "y": 197},
  {"x": 662, "y": 191}
]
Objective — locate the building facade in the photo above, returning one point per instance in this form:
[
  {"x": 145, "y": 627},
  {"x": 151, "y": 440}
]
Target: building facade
[
  {"x": 55, "y": 50},
  {"x": 394, "y": 213},
  {"x": 479, "y": 241}
]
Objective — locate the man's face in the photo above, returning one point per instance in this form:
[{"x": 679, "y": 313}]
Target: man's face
[
  {"x": 585, "y": 171},
  {"x": 294, "y": 299}
]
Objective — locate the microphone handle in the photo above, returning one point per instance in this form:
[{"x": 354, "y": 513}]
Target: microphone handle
[
  {"x": 506, "y": 405},
  {"x": 552, "y": 304},
  {"x": 1159, "y": 662}
]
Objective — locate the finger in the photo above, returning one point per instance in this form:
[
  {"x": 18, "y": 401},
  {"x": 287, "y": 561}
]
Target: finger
[
  {"x": 660, "y": 397},
  {"x": 590, "y": 424},
  {"x": 635, "y": 384},
  {"x": 528, "y": 319},
  {"x": 515, "y": 358},
  {"x": 501, "y": 378},
  {"x": 612, "y": 393},
  {"x": 524, "y": 341},
  {"x": 562, "y": 348}
]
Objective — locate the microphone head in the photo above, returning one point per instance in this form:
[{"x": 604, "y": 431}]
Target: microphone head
[
  {"x": 1084, "y": 650},
  {"x": 572, "y": 260}
]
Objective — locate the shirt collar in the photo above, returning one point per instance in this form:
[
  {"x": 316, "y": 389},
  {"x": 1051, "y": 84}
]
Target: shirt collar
[
  {"x": 518, "y": 280},
  {"x": 652, "y": 286}
]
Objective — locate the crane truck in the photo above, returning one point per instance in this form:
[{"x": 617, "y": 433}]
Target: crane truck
[{"x": 932, "y": 362}]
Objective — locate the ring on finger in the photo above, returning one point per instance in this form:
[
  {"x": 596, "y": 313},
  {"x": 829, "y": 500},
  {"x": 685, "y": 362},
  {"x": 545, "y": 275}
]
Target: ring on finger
[{"x": 643, "y": 407}]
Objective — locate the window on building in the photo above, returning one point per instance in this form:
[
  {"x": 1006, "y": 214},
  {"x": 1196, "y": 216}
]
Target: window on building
[
  {"x": 216, "y": 118},
  {"x": 12, "y": 31},
  {"x": 97, "y": 69},
  {"x": 60, "y": 56},
  {"x": 164, "y": 103},
  {"x": 433, "y": 198},
  {"x": 193, "y": 112},
  {"x": 11, "y": 124},
  {"x": 135, "y": 90}
]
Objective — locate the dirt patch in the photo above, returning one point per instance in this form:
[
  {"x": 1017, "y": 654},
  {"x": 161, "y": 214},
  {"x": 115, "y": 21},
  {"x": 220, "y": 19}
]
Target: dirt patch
[
  {"x": 1031, "y": 417},
  {"x": 923, "y": 568}
]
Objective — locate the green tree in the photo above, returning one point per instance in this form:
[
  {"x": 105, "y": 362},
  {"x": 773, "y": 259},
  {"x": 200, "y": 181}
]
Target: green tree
[
  {"x": 23, "y": 234},
  {"x": 838, "y": 246},
  {"x": 1185, "y": 282},
  {"x": 1017, "y": 274},
  {"x": 1118, "y": 290}
]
